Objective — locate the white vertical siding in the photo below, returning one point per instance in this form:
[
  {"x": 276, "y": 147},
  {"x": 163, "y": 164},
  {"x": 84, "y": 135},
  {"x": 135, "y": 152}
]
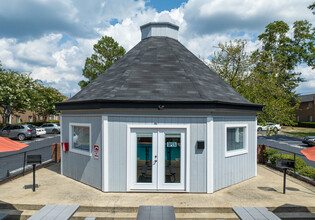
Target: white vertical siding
[
  {"x": 234, "y": 169},
  {"x": 80, "y": 167},
  {"x": 117, "y": 128}
]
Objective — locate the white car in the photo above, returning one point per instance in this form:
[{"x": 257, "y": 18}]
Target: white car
[
  {"x": 270, "y": 126},
  {"x": 40, "y": 131}
]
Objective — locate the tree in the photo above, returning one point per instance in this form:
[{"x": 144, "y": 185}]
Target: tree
[
  {"x": 15, "y": 92},
  {"x": 312, "y": 7},
  {"x": 106, "y": 52},
  {"x": 232, "y": 63},
  {"x": 268, "y": 75},
  {"x": 44, "y": 99}
]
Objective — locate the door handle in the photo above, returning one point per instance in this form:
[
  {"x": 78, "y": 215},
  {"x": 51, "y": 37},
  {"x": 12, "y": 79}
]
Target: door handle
[{"x": 155, "y": 160}]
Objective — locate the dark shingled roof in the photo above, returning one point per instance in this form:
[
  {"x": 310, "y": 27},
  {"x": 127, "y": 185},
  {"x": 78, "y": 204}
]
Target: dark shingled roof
[{"x": 158, "y": 69}]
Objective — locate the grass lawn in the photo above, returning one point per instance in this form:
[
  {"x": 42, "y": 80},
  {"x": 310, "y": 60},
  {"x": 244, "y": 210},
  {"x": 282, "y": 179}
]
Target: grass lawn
[{"x": 298, "y": 131}]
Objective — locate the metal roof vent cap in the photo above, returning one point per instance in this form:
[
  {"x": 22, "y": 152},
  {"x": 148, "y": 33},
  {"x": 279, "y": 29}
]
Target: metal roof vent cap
[{"x": 159, "y": 29}]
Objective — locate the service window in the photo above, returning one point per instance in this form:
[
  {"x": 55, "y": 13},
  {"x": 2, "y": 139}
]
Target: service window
[
  {"x": 236, "y": 140},
  {"x": 80, "y": 138}
]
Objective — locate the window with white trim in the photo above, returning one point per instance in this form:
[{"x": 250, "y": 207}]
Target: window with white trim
[
  {"x": 236, "y": 140},
  {"x": 80, "y": 135}
]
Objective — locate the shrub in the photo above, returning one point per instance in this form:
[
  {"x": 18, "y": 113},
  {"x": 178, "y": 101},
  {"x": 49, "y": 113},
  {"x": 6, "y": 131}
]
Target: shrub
[
  {"x": 53, "y": 121},
  {"x": 299, "y": 163},
  {"x": 306, "y": 124},
  {"x": 308, "y": 171},
  {"x": 269, "y": 152},
  {"x": 37, "y": 123}
]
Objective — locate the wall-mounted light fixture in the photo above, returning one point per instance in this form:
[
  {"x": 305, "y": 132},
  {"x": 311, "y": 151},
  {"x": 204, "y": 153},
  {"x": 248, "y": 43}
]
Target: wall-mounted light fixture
[{"x": 161, "y": 107}]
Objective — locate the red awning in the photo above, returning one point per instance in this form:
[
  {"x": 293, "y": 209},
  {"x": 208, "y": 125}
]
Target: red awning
[
  {"x": 309, "y": 153},
  {"x": 6, "y": 144}
]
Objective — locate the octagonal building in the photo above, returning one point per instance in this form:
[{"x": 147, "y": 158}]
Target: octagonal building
[{"x": 159, "y": 120}]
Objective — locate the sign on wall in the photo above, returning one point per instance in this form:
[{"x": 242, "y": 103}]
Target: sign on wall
[{"x": 96, "y": 151}]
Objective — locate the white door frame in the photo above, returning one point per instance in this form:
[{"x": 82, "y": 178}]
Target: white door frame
[{"x": 186, "y": 162}]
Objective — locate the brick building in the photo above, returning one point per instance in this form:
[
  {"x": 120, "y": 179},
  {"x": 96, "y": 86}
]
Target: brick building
[
  {"x": 306, "y": 111},
  {"x": 28, "y": 116}
]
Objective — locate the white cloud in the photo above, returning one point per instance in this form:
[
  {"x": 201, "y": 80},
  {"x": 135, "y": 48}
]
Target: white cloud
[
  {"x": 51, "y": 39},
  {"x": 308, "y": 74}
]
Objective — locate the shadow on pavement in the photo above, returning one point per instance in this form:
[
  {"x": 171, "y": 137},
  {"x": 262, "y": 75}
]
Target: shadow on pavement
[
  {"x": 290, "y": 211},
  {"x": 9, "y": 211},
  {"x": 55, "y": 168},
  {"x": 267, "y": 189}
]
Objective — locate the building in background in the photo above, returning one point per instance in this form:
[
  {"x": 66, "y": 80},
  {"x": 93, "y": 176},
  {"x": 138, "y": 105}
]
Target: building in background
[
  {"x": 306, "y": 111},
  {"x": 28, "y": 116}
]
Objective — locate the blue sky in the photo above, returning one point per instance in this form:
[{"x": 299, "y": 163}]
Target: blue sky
[
  {"x": 161, "y": 5},
  {"x": 52, "y": 38}
]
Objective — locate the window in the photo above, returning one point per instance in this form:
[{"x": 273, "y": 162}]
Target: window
[
  {"x": 80, "y": 138},
  {"x": 30, "y": 118},
  {"x": 310, "y": 105},
  {"x": 17, "y": 119},
  {"x": 297, "y": 118},
  {"x": 55, "y": 117},
  {"x": 310, "y": 118},
  {"x": 236, "y": 140},
  {"x": 40, "y": 117}
]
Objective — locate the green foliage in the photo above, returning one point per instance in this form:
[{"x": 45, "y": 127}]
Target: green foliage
[
  {"x": 308, "y": 171},
  {"x": 299, "y": 163},
  {"x": 44, "y": 99},
  {"x": 232, "y": 63},
  {"x": 19, "y": 92},
  {"x": 106, "y": 52},
  {"x": 269, "y": 152},
  {"x": 300, "y": 134},
  {"x": 312, "y": 7},
  {"x": 36, "y": 123},
  {"x": 267, "y": 75},
  {"x": 15, "y": 92},
  {"x": 306, "y": 124},
  {"x": 53, "y": 121}
]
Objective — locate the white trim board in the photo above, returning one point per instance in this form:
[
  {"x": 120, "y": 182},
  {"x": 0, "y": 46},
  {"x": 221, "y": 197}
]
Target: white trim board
[
  {"x": 240, "y": 151},
  {"x": 61, "y": 150},
  {"x": 71, "y": 149},
  {"x": 105, "y": 154},
  {"x": 210, "y": 164}
]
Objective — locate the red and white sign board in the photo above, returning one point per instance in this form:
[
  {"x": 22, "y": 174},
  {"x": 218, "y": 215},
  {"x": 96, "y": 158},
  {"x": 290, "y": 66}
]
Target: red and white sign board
[{"x": 96, "y": 151}]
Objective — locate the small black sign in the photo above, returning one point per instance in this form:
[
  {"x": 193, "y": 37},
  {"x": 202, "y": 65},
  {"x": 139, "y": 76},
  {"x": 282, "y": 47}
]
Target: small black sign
[
  {"x": 200, "y": 145},
  {"x": 34, "y": 159},
  {"x": 285, "y": 163}
]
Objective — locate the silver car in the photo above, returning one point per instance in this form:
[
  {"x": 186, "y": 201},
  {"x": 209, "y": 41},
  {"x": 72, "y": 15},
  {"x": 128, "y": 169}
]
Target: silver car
[
  {"x": 51, "y": 128},
  {"x": 19, "y": 131}
]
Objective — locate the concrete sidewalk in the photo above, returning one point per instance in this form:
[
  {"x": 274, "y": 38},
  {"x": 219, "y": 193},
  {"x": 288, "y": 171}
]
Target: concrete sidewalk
[{"x": 264, "y": 190}]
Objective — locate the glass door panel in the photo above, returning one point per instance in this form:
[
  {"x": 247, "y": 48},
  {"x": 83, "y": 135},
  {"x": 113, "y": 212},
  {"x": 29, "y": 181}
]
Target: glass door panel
[
  {"x": 144, "y": 158},
  {"x": 172, "y": 158}
]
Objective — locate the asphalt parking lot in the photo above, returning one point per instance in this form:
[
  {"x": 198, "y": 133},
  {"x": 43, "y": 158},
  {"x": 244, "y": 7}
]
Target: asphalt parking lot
[
  {"x": 285, "y": 143},
  {"x": 14, "y": 160}
]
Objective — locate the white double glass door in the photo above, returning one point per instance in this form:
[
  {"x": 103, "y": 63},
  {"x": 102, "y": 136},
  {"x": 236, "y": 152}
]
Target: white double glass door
[{"x": 157, "y": 159}]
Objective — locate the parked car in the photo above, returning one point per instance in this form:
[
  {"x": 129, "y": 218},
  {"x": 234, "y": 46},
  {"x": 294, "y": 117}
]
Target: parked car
[
  {"x": 51, "y": 128},
  {"x": 310, "y": 140},
  {"x": 270, "y": 126},
  {"x": 19, "y": 131},
  {"x": 39, "y": 131}
]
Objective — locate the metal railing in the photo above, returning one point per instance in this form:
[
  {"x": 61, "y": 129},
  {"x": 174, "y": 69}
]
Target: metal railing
[
  {"x": 291, "y": 152},
  {"x": 13, "y": 164}
]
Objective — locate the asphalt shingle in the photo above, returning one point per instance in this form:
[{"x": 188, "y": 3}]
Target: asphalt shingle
[{"x": 159, "y": 69}]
